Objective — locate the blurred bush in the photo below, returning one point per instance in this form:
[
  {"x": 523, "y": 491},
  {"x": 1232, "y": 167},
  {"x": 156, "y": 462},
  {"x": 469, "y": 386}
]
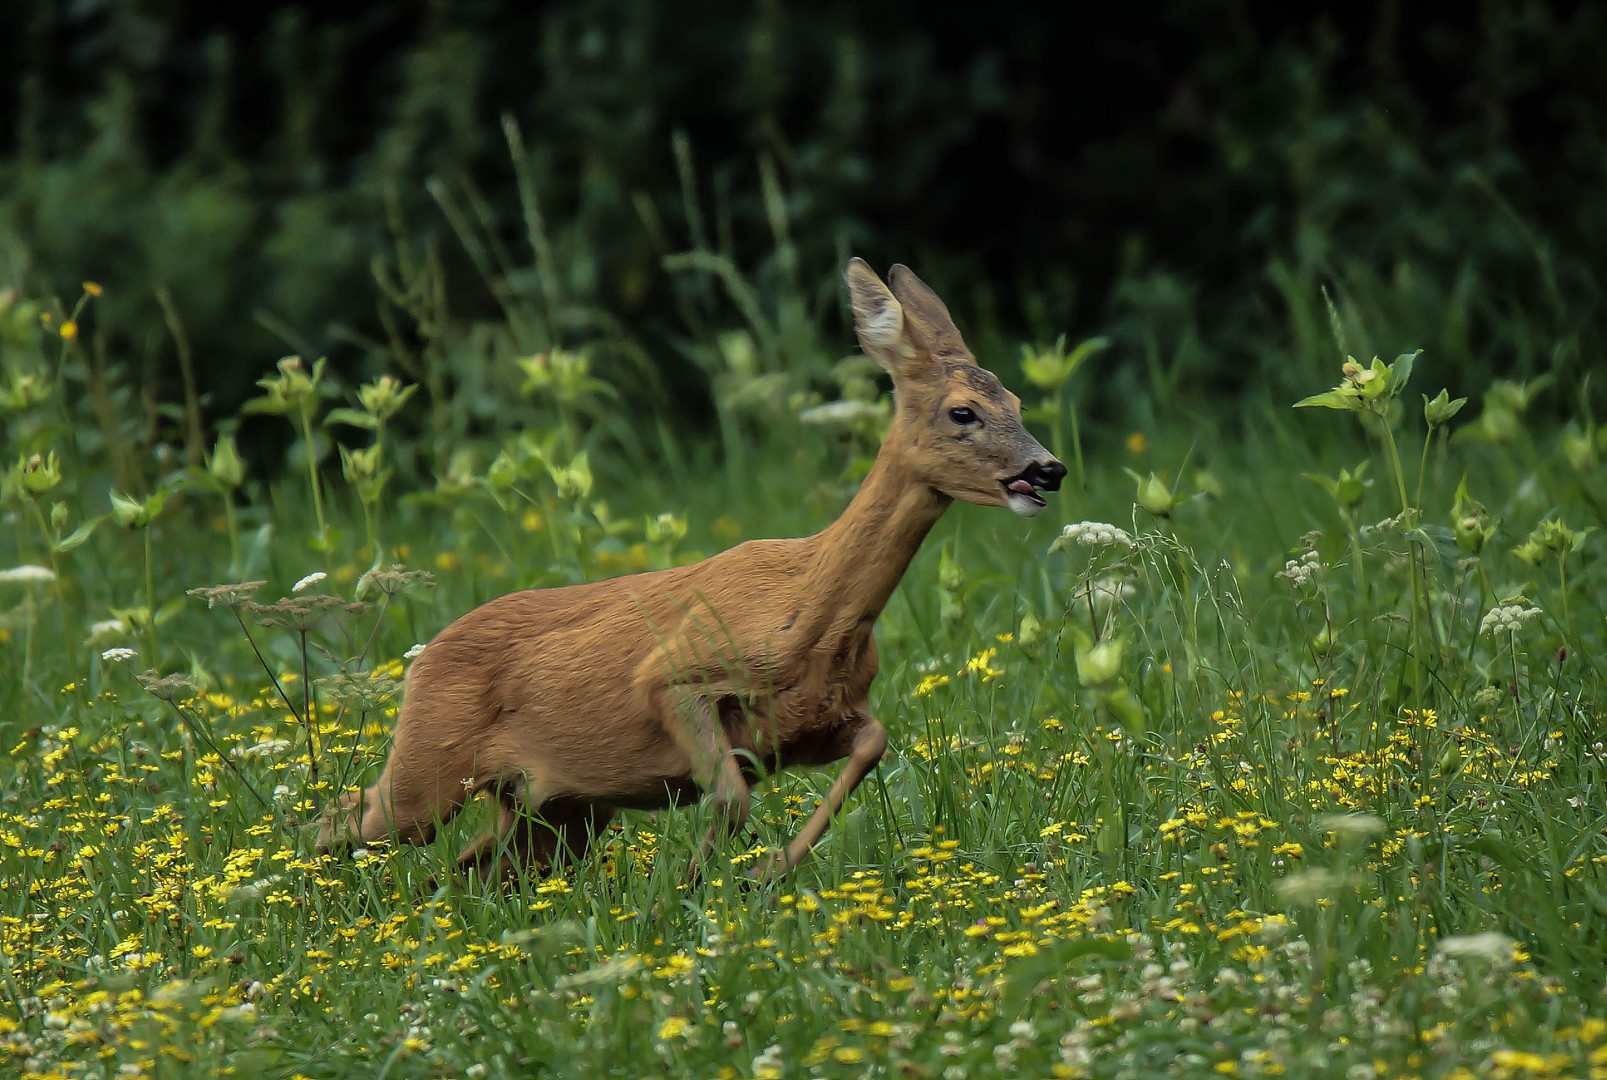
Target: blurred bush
[{"x": 1186, "y": 178}]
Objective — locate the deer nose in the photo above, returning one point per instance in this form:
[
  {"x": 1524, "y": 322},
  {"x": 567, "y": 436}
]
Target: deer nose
[{"x": 1046, "y": 475}]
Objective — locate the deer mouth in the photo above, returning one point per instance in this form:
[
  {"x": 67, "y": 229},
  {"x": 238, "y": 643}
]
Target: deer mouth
[{"x": 1021, "y": 493}]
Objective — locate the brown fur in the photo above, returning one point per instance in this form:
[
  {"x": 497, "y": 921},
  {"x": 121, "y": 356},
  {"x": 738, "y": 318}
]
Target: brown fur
[{"x": 565, "y": 704}]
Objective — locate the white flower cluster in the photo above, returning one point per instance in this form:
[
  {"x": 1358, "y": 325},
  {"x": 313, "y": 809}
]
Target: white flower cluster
[
  {"x": 1507, "y": 618},
  {"x": 266, "y": 748},
  {"x": 309, "y": 581},
  {"x": 1095, "y": 534},
  {"x": 27, "y": 575},
  {"x": 414, "y": 653},
  {"x": 117, "y": 656},
  {"x": 1299, "y": 572},
  {"x": 841, "y": 412},
  {"x": 769, "y": 1063},
  {"x": 1488, "y": 946},
  {"x": 1389, "y": 524}
]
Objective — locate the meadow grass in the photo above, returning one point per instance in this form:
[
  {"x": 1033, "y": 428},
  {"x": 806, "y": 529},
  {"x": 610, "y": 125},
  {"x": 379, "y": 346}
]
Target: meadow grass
[{"x": 1274, "y": 777}]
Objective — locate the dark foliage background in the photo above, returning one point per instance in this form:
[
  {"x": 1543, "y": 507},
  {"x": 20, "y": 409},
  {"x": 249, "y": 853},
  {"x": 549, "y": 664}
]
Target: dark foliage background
[{"x": 1186, "y": 177}]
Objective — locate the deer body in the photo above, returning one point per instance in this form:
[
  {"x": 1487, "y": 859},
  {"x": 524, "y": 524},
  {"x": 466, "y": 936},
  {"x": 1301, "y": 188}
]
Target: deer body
[{"x": 567, "y": 704}]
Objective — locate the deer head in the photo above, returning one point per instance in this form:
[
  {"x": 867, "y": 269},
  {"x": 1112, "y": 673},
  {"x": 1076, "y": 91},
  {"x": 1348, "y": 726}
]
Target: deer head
[{"x": 955, "y": 426}]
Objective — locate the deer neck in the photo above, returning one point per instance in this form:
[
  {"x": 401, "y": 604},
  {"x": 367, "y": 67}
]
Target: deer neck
[{"x": 861, "y": 556}]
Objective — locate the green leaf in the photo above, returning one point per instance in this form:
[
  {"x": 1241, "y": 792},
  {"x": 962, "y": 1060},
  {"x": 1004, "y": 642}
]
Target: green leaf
[
  {"x": 76, "y": 538},
  {"x": 1401, "y": 370},
  {"x": 1332, "y": 399},
  {"x": 352, "y": 417}
]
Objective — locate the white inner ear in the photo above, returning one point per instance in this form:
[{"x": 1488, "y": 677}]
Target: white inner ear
[{"x": 884, "y": 328}]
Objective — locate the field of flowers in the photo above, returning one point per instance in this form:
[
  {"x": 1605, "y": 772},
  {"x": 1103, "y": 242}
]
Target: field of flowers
[{"x": 1259, "y": 760}]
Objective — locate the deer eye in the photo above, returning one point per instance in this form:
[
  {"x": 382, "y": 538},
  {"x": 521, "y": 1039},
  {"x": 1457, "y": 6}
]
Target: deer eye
[{"x": 962, "y": 416}]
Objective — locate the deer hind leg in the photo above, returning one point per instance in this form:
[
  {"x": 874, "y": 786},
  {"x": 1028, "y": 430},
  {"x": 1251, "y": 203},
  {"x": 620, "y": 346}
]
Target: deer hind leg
[{"x": 866, "y": 741}]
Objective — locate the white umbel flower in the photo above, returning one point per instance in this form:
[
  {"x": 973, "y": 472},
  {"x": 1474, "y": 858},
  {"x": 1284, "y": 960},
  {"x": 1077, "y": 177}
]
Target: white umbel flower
[
  {"x": 27, "y": 575},
  {"x": 1507, "y": 618},
  {"x": 1488, "y": 946},
  {"x": 309, "y": 581},
  {"x": 1096, "y": 534},
  {"x": 118, "y": 655},
  {"x": 1299, "y": 572}
]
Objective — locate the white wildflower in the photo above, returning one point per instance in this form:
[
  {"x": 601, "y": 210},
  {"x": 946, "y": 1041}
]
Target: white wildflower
[
  {"x": 1508, "y": 618},
  {"x": 265, "y": 748},
  {"x": 414, "y": 653},
  {"x": 1299, "y": 572},
  {"x": 1096, "y": 534},
  {"x": 105, "y": 631},
  {"x": 840, "y": 412},
  {"x": 768, "y": 1065},
  {"x": 27, "y": 575},
  {"x": 1389, "y": 524},
  {"x": 1488, "y": 946},
  {"x": 309, "y": 581},
  {"x": 1351, "y": 824},
  {"x": 117, "y": 656}
]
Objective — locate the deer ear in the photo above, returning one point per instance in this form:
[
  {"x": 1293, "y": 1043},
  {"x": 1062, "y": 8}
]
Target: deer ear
[
  {"x": 926, "y": 317},
  {"x": 878, "y": 319}
]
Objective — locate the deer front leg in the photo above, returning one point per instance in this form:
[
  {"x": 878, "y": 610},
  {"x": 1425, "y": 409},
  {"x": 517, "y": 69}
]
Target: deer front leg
[
  {"x": 867, "y": 741},
  {"x": 692, "y": 724}
]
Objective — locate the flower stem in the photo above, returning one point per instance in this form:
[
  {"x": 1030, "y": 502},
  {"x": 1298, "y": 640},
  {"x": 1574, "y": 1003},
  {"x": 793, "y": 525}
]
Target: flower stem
[
  {"x": 60, "y": 582},
  {"x": 234, "y": 534},
  {"x": 150, "y": 597},
  {"x": 312, "y": 474},
  {"x": 1409, "y": 520}
]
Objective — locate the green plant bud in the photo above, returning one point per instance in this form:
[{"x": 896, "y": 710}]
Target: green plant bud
[
  {"x": 1441, "y": 408},
  {"x": 226, "y": 466},
  {"x": 1108, "y": 838},
  {"x": 1530, "y": 551},
  {"x": 950, "y": 574},
  {"x": 1050, "y": 368},
  {"x": 58, "y": 515},
  {"x": 1451, "y": 760},
  {"x": 36, "y": 474},
  {"x": 574, "y": 482},
  {"x": 1030, "y": 633},
  {"x": 666, "y": 529},
  {"x": 293, "y": 390},
  {"x": 740, "y": 355},
  {"x": 1470, "y": 522},
  {"x": 1154, "y": 497},
  {"x": 132, "y": 513},
  {"x": 384, "y": 396},
  {"x": 1580, "y": 448},
  {"x": 1557, "y": 538},
  {"x": 1125, "y": 708},
  {"x": 1098, "y": 663},
  {"x": 503, "y": 473},
  {"x": 24, "y": 391}
]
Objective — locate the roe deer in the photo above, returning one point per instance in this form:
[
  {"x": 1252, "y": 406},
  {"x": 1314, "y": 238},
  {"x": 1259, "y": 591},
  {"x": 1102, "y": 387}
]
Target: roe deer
[{"x": 566, "y": 704}]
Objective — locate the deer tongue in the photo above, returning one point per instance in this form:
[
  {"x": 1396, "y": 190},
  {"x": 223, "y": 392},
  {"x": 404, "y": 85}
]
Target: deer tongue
[{"x": 1021, "y": 487}]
